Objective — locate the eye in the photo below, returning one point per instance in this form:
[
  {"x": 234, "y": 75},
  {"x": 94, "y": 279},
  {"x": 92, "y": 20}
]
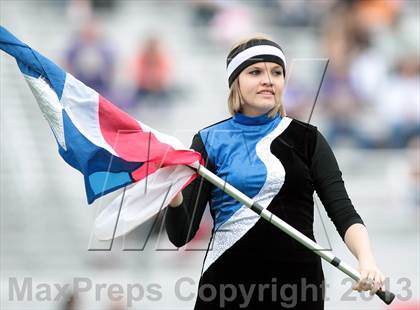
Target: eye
[
  {"x": 254, "y": 72},
  {"x": 278, "y": 72}
]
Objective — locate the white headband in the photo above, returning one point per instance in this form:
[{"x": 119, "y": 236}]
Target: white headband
[{"x": 253, "y": 52}]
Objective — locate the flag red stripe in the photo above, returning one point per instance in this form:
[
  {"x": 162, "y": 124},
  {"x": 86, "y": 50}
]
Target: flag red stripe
[{"x": 130, "y": 142}]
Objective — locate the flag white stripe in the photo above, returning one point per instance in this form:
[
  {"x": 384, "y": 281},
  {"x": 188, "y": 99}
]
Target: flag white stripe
[
  {"x": 140, "y": 204},
  {"x": 163, "y": 138},
  {"x": 49, "y": 105},
  {"x": 81, "y": 103}
]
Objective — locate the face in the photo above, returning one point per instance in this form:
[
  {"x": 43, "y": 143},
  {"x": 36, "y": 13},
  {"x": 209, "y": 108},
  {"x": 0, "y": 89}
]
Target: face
[{"x": 261, "y": 86}]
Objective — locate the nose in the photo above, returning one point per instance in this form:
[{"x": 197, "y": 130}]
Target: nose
[{"x": 266, "y": 79}]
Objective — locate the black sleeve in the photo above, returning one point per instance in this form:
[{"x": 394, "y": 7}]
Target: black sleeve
[
  {"x": 183, "y": 221},
  {"x": 330, "y": 188}
]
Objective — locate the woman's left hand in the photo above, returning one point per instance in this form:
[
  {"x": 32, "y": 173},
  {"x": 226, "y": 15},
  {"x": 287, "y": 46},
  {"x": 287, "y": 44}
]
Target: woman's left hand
[{"x": 371, "y": 278}]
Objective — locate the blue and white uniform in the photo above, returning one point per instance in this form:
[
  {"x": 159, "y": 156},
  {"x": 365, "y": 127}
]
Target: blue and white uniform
[{"x": 279, "y": 162}]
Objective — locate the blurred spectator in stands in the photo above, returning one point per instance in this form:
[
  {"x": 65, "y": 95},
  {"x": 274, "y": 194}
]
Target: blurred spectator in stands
[
  {"x": 232, "y": 21},
  {"x": 222, "y": 21},
  {"x": 87, "y": 5},
  {"x": 103, "y": 5},
  {"x": 204, "y": 11},
  {"x": 299, "y": 13},
  {"x": 368, "y": 68},
  {"x": 342, "y": 107},
  {"x": 152, "y": 72},
  {"x": 399, "y": 103},
  {"x": 77, "y": 10},
  {"x": 342, "y": 104},
  {"x": 369, "y": 63},
  {"x": 358, "y": 69},
  {"x": 90, "y": 58},
  {"x": 375, "y": 14}
]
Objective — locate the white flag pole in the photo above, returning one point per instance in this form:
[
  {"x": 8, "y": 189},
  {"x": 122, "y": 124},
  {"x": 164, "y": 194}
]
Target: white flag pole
[{"x": 327, "y": 255}]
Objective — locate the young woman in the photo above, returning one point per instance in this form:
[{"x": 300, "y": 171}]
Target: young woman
[{"x": 279, "y": 162}]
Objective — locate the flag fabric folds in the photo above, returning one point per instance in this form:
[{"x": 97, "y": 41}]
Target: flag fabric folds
[{"x": 110, "y": 148}]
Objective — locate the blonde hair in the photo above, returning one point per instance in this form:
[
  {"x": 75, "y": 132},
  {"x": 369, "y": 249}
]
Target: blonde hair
[{"x": 235, "y": 97}]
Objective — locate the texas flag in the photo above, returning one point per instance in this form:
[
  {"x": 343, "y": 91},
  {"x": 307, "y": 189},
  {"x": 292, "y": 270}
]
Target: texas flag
[{"x": 111, "y": 149}]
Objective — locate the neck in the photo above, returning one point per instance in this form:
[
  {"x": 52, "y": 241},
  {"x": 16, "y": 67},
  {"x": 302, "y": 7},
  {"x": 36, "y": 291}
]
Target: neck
[
  {"x": 254, "y": 112},
  {"x": 254, "y": 120}
]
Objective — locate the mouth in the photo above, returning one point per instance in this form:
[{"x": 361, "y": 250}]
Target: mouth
[{"x": 266, "y": 92}]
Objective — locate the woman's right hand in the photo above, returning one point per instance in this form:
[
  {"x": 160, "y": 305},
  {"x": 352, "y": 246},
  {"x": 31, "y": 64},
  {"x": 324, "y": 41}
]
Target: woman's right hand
[{"x": 177, "y": 200}]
